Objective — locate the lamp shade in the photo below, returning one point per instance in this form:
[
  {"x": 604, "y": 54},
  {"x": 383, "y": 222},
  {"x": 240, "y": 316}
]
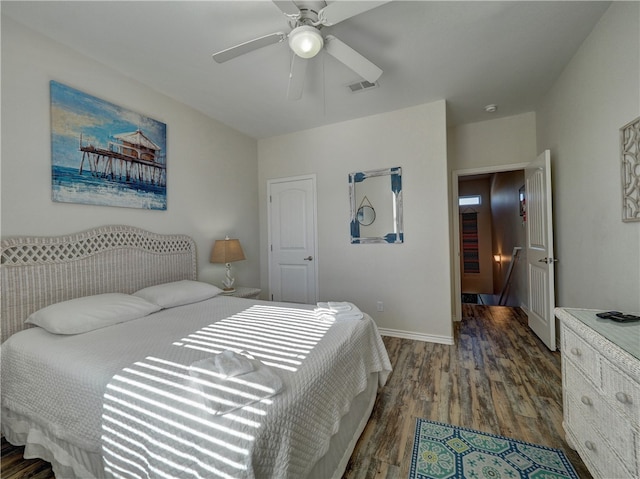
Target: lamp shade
[
  {"x": 226, "y": 251},
  {"x": 305, "y": 41}
]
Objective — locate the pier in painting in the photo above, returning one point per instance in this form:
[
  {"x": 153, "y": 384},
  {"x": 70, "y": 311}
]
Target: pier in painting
[{"x": 130, "y": 157}]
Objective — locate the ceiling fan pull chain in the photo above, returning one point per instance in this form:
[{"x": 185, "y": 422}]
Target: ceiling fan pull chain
[{"x": 324, "y": 88}]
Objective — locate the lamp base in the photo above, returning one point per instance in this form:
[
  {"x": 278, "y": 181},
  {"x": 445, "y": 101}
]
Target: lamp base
[
  {"x": 228, "y": 291},
  {"x": 228, "y": 281}
]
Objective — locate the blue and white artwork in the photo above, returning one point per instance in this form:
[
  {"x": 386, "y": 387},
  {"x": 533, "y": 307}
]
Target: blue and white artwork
[{"x": 103, "y": 154}]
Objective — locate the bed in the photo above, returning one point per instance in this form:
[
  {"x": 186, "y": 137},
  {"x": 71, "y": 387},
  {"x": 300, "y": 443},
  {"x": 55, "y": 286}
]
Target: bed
[{"x": 134, "y": 398}]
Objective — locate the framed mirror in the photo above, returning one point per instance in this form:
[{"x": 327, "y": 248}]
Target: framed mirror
[{"x": 376, "y": 206}]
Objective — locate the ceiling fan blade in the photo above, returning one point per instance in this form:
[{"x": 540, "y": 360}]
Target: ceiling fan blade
[
  {"x": 287, "y": 7},
  {"x": 297, "y": 77},
  {"x": 351, "y": 58},
  {"x": 246, "y": 47},
  {"x": 341, "y": 10}
]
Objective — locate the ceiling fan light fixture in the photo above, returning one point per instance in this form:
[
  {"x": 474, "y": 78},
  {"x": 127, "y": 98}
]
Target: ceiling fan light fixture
[{"x": 306, "y": 41}]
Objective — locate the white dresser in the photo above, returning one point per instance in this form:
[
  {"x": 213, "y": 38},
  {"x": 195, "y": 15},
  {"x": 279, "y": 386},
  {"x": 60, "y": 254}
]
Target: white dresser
[{"x": 601, "y": 392}]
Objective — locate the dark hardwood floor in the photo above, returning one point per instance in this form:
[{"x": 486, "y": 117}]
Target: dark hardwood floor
[
  {"x": 497, "y": 378},
  {"x": 14, "y": 466}
]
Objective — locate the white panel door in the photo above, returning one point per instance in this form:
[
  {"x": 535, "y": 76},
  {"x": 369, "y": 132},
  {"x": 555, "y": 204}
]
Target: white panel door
[
  {"x": 540, "y": 260},
  {"x": 292, "y": 240}
]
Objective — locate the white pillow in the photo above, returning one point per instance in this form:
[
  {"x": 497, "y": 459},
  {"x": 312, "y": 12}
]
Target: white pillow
[
  {"x": 91, "y": 312},
  {"x": 177, "y": 293}
]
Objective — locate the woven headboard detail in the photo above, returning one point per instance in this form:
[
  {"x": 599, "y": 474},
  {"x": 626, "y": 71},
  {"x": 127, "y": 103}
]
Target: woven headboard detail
[{"x": 39, "y": 271}]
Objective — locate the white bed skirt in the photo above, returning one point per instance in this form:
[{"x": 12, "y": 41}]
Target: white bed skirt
[
  {"x": 71, "y": 462},
  {"x": 67, "y": 460}
]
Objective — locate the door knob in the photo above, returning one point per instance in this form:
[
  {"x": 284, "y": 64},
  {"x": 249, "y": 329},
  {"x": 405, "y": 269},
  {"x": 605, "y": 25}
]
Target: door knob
[
  {"x": 547, "y": 260},
  {"x": 309, "y": 258}
]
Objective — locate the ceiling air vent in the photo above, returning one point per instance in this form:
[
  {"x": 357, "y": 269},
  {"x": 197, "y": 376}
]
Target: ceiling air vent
[{"x": 362, "y": 86}]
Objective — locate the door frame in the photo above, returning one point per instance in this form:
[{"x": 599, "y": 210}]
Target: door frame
[
  {"x": 312, "y": 177},
  {"x": 455, "y": 226}
]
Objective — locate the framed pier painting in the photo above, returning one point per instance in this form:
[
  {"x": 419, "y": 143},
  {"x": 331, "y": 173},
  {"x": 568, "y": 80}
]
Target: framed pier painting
[{"x": 103, "y": 154}]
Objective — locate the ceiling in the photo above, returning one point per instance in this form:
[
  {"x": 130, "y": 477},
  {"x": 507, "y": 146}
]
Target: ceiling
[{"x": 469, "y": 53}]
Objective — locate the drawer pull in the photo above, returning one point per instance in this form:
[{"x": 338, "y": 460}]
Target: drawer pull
[
  {"x": 586, "y": 401},
  {"x": 623, "y": 398},
  {"x": 589, "y": 445},
  {"x": 576, "y": 352}
]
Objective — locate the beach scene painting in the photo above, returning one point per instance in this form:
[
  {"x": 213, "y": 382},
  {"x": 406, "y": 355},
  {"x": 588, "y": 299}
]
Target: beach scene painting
[{"x": 106, "y": 155}]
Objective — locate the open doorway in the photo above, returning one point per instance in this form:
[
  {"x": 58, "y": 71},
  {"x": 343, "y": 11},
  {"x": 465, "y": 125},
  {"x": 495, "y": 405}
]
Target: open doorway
[
  {"x": 475, "y": 238},
  {"x": 489, "y": 237}
]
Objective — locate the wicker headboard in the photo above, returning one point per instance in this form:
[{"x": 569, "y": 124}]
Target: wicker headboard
[{"x": 39, "y": 271}]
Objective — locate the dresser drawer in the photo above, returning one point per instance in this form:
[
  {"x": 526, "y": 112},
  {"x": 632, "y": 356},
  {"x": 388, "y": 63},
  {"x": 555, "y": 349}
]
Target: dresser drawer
[
  {"x": 588, "y": 405},
  {"x": 621, "y": 391},
  {"x": 582, "y": 354},
  {"x": 593, "y": 449}
]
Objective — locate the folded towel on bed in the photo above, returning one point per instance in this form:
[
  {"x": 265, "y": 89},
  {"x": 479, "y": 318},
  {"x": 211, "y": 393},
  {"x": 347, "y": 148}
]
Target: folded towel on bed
[
  {"x": 228, "y": 363},
  {"x": 335, "y": 306},
  {"x": 222, "y": 394},
  {"x": 341, "y": 317},
  {"x": 338, "y": 311}
]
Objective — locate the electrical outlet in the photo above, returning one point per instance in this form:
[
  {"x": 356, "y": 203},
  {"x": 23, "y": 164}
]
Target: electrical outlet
[{"x": 380, "y": 306}]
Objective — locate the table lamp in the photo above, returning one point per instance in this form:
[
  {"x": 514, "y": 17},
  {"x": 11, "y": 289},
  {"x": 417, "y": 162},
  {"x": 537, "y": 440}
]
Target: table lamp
[{"x": 227, "y": 251}]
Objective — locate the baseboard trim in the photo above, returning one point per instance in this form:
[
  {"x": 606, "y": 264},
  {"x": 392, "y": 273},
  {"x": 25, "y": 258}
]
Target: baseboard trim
[{"x": 429, "y": 338}]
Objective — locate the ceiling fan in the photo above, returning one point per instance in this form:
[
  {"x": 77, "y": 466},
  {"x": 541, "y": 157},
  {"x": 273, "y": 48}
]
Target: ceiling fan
[{"x": 306, "y": 20}]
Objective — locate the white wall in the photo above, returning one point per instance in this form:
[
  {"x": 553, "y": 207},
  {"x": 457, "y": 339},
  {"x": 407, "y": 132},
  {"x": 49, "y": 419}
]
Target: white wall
[
  {"x": 494, "y": 142},
  {"x": 508, "y": 232},
  {"x": 412, "y": 279},
  {"x": 210, "y": 166},
  {"x": 598, "y": 92}
]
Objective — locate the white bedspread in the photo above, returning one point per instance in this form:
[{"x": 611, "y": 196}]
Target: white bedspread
[{"x": 142, "y": 368}]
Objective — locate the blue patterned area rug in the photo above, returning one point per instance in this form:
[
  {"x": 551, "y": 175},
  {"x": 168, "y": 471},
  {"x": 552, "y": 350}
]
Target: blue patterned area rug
[{"x": 443, "y": 451}]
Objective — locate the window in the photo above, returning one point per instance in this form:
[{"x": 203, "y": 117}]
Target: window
[{"x": 472, "y": 200}]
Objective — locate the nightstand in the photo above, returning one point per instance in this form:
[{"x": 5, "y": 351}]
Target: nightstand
[{"x": 243, "y": 292}]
